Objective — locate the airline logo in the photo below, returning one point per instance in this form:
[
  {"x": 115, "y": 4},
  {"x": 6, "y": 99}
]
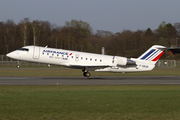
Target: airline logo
[
  {"x": 55, "y": 52},
  {"x": 152, "y": 55}
]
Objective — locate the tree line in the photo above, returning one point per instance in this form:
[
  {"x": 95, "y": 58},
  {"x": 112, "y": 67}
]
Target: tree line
[{"x": 79, "y": 36}]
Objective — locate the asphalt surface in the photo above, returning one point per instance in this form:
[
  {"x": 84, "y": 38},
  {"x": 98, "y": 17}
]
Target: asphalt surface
[{"x": 115, "y": 80}]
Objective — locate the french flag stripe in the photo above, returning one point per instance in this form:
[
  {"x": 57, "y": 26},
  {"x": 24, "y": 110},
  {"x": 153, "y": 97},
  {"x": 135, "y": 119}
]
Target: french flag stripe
[
  {"x": 152, "y": 54},
  {"x": 155, "y": 55},
  {"x": 149, "y": 53},
  {"x": 157, "y": 58}
]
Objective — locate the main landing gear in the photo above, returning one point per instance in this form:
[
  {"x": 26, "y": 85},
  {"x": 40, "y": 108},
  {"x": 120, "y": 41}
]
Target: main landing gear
[{"x": 86, "y": 73}]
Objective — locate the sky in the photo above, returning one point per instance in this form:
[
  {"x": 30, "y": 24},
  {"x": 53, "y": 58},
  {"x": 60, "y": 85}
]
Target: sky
[{"x": 108, "y": 15}]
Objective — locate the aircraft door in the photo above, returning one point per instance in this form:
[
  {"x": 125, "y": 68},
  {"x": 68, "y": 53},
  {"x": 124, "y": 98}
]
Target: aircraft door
[
  {"x": 113, "y": 59},
  {"x": 76, "y": 57},
  {"x": 36, "y": 52}
]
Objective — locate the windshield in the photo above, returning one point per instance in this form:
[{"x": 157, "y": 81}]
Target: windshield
[{"x": 23, "y": 49}]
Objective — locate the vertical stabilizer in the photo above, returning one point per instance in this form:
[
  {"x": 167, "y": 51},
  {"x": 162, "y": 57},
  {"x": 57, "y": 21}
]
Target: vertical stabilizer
[{"x": 153, "y": 54}]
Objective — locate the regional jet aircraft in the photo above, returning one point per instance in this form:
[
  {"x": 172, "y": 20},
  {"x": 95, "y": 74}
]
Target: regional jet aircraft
[{"x": 89, "y": 61}]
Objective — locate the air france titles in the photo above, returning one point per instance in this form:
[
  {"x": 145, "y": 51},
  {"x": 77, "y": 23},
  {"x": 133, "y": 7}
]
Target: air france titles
[{"x": 64, "y": 54}]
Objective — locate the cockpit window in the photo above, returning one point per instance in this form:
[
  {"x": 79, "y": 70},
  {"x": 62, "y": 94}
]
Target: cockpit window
[{"x": 23, "y": 49}]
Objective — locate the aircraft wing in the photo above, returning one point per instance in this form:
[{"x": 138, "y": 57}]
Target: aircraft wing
[{"x": 88, "y": 67}]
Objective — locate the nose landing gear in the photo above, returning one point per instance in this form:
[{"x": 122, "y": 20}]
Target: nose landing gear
[{"x": 18, "y": 65}]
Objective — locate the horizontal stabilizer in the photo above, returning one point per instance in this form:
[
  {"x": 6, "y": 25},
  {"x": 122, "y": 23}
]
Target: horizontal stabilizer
[{"x": 174, "y": 50}]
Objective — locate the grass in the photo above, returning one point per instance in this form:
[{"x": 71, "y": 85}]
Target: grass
[
  {"x": 121, "y": 102},
  {"x": 118, "y": 102},
  {"x": 77, "y": 72}
]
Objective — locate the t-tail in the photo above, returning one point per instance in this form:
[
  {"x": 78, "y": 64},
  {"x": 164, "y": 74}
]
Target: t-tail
[{"x": 153, "y": 54}]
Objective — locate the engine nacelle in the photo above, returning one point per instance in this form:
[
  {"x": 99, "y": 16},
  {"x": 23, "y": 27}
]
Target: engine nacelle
[{"x": 122, "y": 61}]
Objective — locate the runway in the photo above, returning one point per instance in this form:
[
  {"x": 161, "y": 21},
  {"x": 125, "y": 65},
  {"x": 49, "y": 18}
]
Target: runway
[{"x": 110, "y": 80}]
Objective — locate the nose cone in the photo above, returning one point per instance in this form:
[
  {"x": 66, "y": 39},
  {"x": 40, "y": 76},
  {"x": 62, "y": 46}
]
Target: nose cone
[{"x": 11, "y": 55}]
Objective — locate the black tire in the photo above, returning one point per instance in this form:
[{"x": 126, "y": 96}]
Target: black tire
[{"x": 86, "y": 74}]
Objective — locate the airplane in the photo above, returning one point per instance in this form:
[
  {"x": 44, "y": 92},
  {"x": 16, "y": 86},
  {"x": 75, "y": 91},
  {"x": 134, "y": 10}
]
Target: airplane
[{"x": 89, "y": 61}]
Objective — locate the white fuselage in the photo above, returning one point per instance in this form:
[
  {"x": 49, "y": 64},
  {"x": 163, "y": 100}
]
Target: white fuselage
[{"x": 82, "y": 60}]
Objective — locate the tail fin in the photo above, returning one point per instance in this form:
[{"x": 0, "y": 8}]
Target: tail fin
[{"x": 153, "y": 54}]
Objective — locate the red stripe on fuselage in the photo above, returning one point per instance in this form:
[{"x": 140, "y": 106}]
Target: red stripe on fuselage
[{"x": 157, "y": 58}]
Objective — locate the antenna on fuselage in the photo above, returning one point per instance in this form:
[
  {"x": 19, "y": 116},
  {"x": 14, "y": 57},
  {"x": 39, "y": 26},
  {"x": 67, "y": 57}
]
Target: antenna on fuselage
[{"x": 46, "y": 46}]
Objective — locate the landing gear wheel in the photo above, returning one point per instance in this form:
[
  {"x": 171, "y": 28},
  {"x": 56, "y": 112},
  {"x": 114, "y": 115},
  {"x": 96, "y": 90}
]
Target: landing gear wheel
[
  {"x": 18, "y": 65},
  {"x": 86, "y": 74}
]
